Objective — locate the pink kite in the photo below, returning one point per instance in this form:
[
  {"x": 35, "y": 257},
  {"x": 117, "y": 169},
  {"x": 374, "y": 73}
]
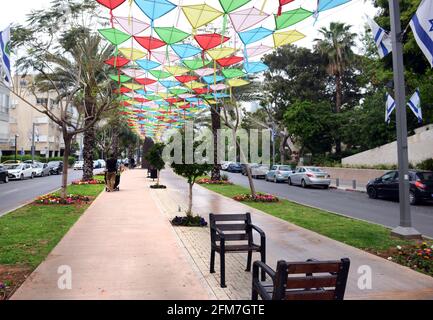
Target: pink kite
[
  {"x": 244, "y": 19},
  {"x": 131, "y": 25}
]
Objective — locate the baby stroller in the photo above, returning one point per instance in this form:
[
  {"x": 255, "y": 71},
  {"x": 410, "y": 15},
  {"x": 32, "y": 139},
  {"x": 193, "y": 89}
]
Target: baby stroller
[{"x": 116, "y": 183}]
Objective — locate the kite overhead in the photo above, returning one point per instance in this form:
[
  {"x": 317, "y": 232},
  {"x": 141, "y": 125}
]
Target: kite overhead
[{"x": 173, "y": 61}]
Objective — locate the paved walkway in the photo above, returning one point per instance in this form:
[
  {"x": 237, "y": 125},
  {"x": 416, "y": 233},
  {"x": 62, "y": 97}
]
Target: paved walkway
[
  {"x": 284, "y": 241},
  {"x": 123, "y": 247}
]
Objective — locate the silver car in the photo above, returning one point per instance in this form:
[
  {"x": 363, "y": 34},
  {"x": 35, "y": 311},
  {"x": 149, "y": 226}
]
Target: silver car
[
  {"x": 310, "y": 176},
  {"x": 41, "y": 169},
  {"x": 259, "y": 171}
]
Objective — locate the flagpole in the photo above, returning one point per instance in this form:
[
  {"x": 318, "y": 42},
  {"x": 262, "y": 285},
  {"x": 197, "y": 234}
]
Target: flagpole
[{"x": 405, "y": 229}]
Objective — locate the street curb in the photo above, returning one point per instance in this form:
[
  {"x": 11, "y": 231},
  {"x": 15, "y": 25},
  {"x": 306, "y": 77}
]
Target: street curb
[{"x": 346, "y": 189}]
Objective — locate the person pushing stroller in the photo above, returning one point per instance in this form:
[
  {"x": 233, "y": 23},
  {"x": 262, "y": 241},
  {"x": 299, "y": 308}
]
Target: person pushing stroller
[{"x": 111, "y": 174}]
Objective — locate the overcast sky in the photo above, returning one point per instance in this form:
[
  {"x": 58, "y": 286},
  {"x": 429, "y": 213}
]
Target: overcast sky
[{"x": 353, "y": 13}]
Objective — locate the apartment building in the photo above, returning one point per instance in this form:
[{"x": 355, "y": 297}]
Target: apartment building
[
  {"x": 24, "y": 119},
  {"x": 4, "y": 119}
]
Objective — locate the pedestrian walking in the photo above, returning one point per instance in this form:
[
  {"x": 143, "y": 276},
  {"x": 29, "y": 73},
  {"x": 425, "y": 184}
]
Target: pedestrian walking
[{"x": 111, "y": 173}]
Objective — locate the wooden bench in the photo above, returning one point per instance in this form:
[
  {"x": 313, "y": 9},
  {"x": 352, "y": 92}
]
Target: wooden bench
[
  {"x": 311, "y": 280},
  {"x": 234, "y": 227}
]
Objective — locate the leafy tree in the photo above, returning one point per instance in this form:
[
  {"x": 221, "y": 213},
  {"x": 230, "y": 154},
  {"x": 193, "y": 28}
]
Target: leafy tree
[
  {"x": 190, "y": 171},
  {"x": 154, "y": 157},
  {"x": 61, "y": 49},
  {"x": 312, "y": 124},
  {"x": 336, "y": 46}
]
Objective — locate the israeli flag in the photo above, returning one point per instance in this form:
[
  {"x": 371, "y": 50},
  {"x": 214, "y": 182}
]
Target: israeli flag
[
  {"x": 415, "y": 105},
  {"x": 381, "y": 38},
  {"x": 390, "y": 106},
  {"x": 422, "y": 27},
  {"x": 5, "y": 38}
]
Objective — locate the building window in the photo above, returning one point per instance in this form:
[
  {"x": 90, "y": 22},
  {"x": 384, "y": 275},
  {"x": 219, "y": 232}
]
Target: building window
[
  {"x": 4, "y": 103},
  {"x": 42, "y": 101}
]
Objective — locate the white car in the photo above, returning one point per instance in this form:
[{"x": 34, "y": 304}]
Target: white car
[
  {"x": 102, "y": 162},
  {"x": 41, "y": 169},
  {"x": 225, "y": 165},
  {"x": 260, "y": 171},
  {"x": 20, "y": 171},
  {"x": 310, "y": 176},
  {"x": 78, "y": 165}
]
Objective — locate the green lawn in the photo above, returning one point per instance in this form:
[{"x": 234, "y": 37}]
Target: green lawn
[
  {"x": 28, "y": 234},
  {"x": 360, "y": 234}
]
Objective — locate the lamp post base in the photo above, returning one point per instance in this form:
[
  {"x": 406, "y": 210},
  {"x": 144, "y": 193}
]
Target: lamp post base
[{"x": 406, "y": 233}]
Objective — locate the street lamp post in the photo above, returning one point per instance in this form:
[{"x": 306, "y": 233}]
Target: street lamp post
[
  {"x": 405, "y": 228},
  {"x": 16, "y": 149}
]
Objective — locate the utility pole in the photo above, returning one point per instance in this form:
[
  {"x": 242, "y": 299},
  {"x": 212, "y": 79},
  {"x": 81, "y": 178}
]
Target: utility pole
[
  {"x": 33, "y": 143},
  {"x": 405, "y": 228}
]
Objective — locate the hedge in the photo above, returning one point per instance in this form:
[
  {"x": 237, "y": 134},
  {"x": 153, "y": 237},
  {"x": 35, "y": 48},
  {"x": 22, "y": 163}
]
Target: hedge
[{"x": 37, "y": 158}]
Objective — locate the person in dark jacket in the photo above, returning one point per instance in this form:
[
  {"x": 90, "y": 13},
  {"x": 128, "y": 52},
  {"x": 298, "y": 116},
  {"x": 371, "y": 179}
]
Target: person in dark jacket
[{"x": 111, "y": 167}]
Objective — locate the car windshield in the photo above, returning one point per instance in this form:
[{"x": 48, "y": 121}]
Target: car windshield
[
  {"x": 14, "y": 166},
  {"x": 53, "y": 164},
  {"x": 285, "y": 168},
  {"x": 425, "y": 176},
  {"x": 314, "y": 169}
]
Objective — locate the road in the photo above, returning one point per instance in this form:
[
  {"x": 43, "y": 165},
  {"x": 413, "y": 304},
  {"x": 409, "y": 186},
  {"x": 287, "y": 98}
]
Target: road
[
  {"x": 16, "y": 193},
  {"x": 353, "y": 204}
]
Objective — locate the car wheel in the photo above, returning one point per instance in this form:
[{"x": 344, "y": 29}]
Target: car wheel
[
  {"x": 412, "y": 198},
  {"x": 326, "y": 187},
  {"x": 22, "y": 177},
  {"x": 289, "y": 181},
  {"x": 303, "y": 184},
  {"x": 275, "y": 180},
  {"x": 372, "y": 193},
  {"x": 6, "y": 180},
  {"x": 32, "y": 175}
]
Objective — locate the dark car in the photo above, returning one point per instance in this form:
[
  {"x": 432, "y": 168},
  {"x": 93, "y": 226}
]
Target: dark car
[
  {"x": 386, "y": 186},
  {"x": 4, "y": 174},
  {"x": 234, "y": 167},
  {"x": 56, "y": 167}
]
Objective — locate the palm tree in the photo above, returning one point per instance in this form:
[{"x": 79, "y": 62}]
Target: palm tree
[
  {"x": 336, "y": 47},
  {"x": 87, "y": 53}
]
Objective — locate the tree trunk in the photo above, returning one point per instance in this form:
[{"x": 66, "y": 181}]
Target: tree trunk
[
  {"x": 216, "y": 125},
  {"x": 67, "y": 138},
  {"x": 157, "y": 180},
  {"x": 189, "y": 211},
  {"x": 147, "y": 144},
  {"x": 89, "y": 146},
  {"x": 338, "y": 104},
  {"x": 245, "y": 160}
]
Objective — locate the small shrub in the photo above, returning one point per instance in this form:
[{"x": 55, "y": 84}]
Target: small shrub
[
  {"x": 88, "y": 182},
  {"x": 217, "y": 182},
  {"x": 52, "y": 199},
  {"x": 426, "y": 165},
  {"x": 260, "y": 197},
  {"x": 189, "y": 221}
]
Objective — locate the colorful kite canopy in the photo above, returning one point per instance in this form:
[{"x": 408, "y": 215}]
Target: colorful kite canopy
[{"x": 175, "y": 60}]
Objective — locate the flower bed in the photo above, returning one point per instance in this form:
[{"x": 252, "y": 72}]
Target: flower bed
[
  {"x": 419, "y": 257},
  {"x": 52, "y": 199},
  {"x": 92, "y": 182},
  {"x": 260, "y": 197},
  {"x": 188, "y": 221},
  {"x": 217, "y": 182}
]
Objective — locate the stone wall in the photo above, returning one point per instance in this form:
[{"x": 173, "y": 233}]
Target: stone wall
[
  {"x": 420, "y": 148},
  {"x": 346, "y": 175}
]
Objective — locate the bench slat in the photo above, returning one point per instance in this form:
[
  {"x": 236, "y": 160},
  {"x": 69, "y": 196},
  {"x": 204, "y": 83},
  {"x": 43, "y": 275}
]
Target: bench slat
[
  {"x": 232, "y": 227},
  {"x": 314, "y": 267},
  {"x": 230, "y": 217},
  {"x": 311, "y": 282},
  {"x": 310, "y": 295}
]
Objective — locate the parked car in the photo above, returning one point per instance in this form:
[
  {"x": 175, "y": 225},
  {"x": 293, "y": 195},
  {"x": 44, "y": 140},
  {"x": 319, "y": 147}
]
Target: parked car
[
  {"x": 310, "y": 176},
  {"x": 20, "y": 171},
  {"x": 9, "y": 162},
  {"x": 244, "y": 167},
  {"x": 102, "y": 162},
  {"x": 279, "y": 173},
  {"x": 386, "y": 186},
  {"x": 56, "y": 167},
  {"x": 234, "y": 167},
  {"x": 78, "y": 165},
  {"x": 41, "y": 169},
  {"x": 225, "y": 165},
  {"x": 259, "y": 171},
  {"x": 4, "y": 174}
]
